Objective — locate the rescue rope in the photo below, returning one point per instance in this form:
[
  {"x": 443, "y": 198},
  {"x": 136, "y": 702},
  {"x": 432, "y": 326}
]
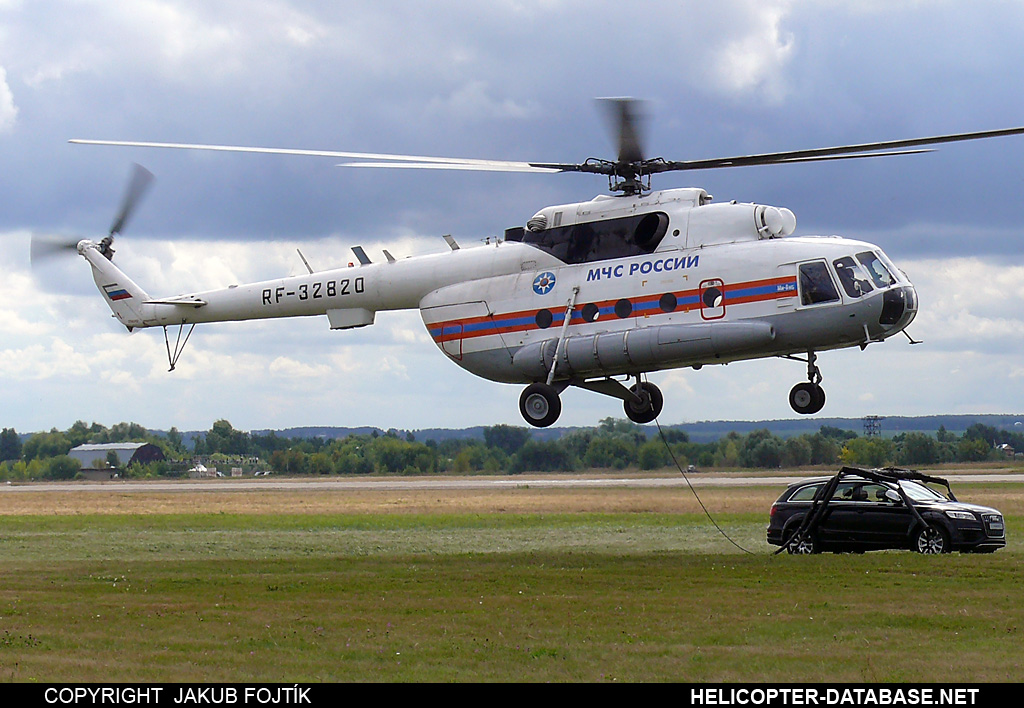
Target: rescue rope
[{"x": 695, "y": 495}]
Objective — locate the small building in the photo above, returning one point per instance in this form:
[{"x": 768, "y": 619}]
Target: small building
[{"x": 109, "y": 456}]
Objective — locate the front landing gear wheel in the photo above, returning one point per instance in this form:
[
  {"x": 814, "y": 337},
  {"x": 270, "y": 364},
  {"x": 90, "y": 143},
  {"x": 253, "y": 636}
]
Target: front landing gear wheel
[
  {"x": 807, "y": 398},
  {"x": 649, "y": 407},
  {"x": 540, "y": 405}
]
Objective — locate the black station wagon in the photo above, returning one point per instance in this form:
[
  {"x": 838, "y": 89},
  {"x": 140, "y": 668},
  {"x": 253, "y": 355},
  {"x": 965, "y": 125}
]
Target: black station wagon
[{"x": 862, "y": 510}]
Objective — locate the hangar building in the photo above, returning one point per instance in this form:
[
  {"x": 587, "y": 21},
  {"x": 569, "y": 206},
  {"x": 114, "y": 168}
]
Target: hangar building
[{"x": 96, "y": 456}]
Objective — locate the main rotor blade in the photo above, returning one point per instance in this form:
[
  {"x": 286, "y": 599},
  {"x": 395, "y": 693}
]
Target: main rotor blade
[
  {"x": 139, "y": 182},
  {"x": 630, "y": 152},
  {"x": 454, "y": 165},
  {"x": 498, "y": 164},
  {"x": 628, "y": 116},
  {"x": 879, "y": 149}
]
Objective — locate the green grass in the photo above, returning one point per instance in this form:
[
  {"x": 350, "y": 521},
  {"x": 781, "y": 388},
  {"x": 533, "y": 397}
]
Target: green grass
[{"x": 573, "y": 597}]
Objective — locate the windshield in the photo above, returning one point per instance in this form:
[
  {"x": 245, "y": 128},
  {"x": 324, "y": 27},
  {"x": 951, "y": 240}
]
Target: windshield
[
  {"x": 879, "y": 273},
  {"x": 919, "y": 492}
]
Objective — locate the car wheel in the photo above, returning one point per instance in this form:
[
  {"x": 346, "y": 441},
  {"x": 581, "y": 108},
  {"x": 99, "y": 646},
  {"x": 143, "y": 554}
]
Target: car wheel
[
  {"x": 931, "y": 540},
  {"x": 804, "y": 544}
]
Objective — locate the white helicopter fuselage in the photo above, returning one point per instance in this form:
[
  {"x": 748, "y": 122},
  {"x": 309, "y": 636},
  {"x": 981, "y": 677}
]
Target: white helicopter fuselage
[
  {"x": 592, "y": 291},
  {"x": 614, "y": 286}
]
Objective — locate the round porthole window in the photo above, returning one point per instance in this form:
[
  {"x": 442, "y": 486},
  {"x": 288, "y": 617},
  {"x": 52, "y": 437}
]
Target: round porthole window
[{"x": 712, "y": 298}]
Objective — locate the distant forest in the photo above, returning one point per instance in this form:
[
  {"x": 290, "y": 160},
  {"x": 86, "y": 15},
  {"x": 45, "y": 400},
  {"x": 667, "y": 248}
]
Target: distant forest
[{"x": 505, "y": 449}]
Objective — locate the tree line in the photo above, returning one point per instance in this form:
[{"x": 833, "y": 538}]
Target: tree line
[{"x": 505, "y": 449}]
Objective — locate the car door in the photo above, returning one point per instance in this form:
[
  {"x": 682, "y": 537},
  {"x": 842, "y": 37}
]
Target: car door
[
  {"x": 842, "y": 522},
  {"x": 885, "y": 521}
]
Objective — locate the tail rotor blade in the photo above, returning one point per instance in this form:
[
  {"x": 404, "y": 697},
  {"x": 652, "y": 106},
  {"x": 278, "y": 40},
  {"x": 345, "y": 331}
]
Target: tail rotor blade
[
  {"x": 45, "y": 248},
  {"x": 140, "y": 180}
]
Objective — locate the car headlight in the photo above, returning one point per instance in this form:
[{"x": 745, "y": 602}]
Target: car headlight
[{"x": 963, "y": 515}]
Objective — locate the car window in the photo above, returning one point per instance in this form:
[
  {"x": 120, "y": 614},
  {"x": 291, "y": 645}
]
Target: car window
[
  {"x": 859, "y": 491},
  {"x": 876, "y": 492},
  {"x": 805, "y": 493},
  {"x": 844, "y": 492}
]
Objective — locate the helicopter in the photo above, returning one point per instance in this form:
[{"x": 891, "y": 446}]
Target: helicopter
[{"x": 594, "y": 294}]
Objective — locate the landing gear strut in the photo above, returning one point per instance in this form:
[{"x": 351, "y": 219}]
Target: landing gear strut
[{"x": 808, "y": 398}]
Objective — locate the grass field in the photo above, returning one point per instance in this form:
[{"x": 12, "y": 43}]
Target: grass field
[{"x": 518, "y": 585}]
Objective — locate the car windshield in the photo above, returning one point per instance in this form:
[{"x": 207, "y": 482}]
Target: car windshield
[{"x": 919, "y": 492}]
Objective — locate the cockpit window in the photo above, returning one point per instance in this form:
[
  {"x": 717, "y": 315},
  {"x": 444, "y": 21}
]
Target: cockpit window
[
  {"x": 879, "y": 273},
  {"x": 816, "y": 285},
  {"x": 852, "y": 277},
  {"x": 599, "y": 240}
]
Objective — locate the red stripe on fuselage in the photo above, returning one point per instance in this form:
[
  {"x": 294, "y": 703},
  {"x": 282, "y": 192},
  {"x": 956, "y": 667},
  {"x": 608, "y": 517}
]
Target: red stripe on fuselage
[{"x": 642, "y": 307}]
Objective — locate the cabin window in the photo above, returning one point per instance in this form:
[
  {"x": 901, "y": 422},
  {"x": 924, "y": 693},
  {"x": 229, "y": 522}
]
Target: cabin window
[
  {"x": 623, "y": 237},
  {"x": 852, "y": 277},
  {"x": 816, "y": 286}
]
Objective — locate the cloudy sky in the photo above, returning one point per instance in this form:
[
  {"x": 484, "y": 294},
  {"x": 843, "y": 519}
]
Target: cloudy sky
[{"x": 503, "y": 80}]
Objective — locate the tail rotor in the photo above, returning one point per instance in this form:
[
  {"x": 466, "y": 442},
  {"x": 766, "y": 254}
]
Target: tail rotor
[
  {"x": 45, "y": 248},
  {"x": 138, "y": 184}
]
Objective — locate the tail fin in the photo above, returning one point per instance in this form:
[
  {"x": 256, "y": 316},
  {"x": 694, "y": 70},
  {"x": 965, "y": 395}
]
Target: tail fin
[{"x": 125, "y": 298}]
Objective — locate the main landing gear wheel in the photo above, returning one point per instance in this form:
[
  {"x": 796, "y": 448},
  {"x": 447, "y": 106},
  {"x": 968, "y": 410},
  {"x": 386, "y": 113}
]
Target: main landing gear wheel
[
  {"x": 540, "y": 405},
  {"x": 807, "y": 398},
  {"x": 649, "y": 407}
]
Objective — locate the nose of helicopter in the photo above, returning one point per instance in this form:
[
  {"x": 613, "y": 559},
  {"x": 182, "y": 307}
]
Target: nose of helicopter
[{"x": 899, "y": 307}]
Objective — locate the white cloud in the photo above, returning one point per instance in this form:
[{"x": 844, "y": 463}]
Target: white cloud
[
  {"x": 473, "y": 101},
  {"x": 290, "y": 368},
  {"x": 969, "y": 304},
  {"x": 55, "y": 359},
  {"x": 8, "y": 111},
  {"x": 756, "y": 60}
]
